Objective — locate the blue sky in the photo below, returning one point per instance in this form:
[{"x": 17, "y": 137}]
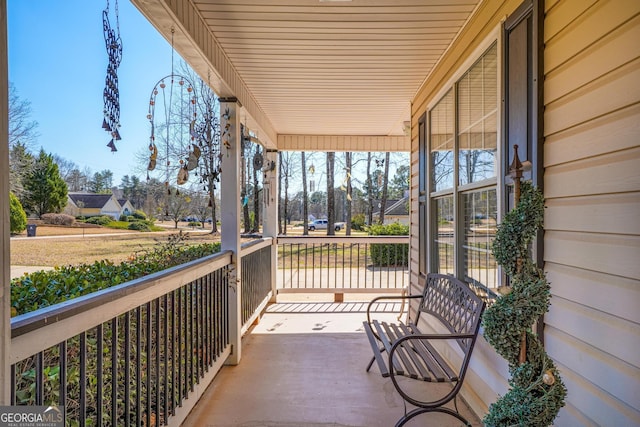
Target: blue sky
[{"x": 58, "y": 61}]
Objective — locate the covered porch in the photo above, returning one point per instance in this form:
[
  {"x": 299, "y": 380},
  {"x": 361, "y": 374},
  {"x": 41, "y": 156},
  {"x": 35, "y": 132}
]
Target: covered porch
[
  {"x": 304, "y": 365},
  {"x": 216, "y": 342}
]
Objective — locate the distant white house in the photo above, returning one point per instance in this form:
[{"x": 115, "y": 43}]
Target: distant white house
[
  {"x": 395, "y": 211},
  {"x": 90, "y": 204},
  {"x": 126, "y": 208}
]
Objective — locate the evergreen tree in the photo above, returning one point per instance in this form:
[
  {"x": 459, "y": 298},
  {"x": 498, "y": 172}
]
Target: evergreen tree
[
  {"x": 17, "y": 216},
  {"x": 45, "y": 190},
  {"x": 20, "y": 163},
  {"x": 400, "y": 182},
  {"x": 101, "y": 182}
]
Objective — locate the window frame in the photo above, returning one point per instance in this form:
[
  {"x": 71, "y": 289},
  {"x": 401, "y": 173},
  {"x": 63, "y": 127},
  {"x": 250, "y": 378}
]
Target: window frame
[{"x": 458, "y": 191}]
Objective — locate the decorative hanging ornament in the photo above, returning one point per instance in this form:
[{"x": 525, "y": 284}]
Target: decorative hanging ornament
[
  {"x": 111, "y": 95},
  {"x": 172, "y": 112}
]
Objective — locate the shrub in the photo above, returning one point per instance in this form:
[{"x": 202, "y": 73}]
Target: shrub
[
  {"x": 139, "y": 226},
  {"x": 44, "y": 288},
  {"x": 390, "y": 254},
  {"x": 126, "y": 218},
  {"x": 58, "y": 219},
  {"x": 100, "y": 220},
  {"x": 357, "y": 222},
  {"x": 17, "y": 216},
  {"x": 138, "y": 214}
]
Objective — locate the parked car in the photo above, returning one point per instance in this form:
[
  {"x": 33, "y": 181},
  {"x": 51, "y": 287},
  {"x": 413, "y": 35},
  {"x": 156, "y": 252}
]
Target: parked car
[{"x": 321, "y": 224}]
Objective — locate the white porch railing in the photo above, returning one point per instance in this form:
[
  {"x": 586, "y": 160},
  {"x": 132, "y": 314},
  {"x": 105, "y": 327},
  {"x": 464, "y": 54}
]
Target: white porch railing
[
  {"x": 142, "y": 353},
  {"x": 163, "y": 337},
  {"x": 343, "y": 264}
]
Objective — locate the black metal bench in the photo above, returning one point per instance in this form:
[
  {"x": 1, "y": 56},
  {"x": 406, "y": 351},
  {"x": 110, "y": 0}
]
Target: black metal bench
[{"x": 414, "y": 354}]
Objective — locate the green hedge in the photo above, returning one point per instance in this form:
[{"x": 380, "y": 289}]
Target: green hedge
[
  {"x": 44, "y": 288},
  {"x": 389, "y": 254}
]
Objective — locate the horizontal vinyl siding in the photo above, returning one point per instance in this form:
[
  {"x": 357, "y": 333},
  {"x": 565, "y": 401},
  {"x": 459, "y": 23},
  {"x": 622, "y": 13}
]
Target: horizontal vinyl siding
[{"x": 592, "y": 220}]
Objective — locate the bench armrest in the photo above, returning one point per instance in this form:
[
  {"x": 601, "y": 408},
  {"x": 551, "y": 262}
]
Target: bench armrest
[{"x": 388, "y": 297}]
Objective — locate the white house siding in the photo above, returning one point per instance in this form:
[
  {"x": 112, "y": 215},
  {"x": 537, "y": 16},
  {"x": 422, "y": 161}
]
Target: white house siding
[
  {"x": 592, "y": 221},
  {"x": 488, "y": 372},
  {"x": 111, "y": 208}
]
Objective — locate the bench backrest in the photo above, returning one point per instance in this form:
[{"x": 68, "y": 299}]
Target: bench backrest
[{"x": 454, "y": 304}]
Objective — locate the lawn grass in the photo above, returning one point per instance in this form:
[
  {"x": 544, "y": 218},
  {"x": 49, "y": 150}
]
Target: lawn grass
[{"x": 88, "y": 249}]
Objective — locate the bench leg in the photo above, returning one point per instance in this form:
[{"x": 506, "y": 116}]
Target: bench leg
[
  {"x": 373, "y": 358},
  {"x": 402, "y": 421}
]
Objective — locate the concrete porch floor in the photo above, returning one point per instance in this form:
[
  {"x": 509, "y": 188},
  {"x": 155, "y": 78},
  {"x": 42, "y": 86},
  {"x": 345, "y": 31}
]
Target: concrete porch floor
[{"x": 304, "y": 365}]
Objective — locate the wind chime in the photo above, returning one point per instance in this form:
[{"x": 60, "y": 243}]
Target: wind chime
[
  {"x": 172, "y": 110},
  {"x": 111, "y": 95}
]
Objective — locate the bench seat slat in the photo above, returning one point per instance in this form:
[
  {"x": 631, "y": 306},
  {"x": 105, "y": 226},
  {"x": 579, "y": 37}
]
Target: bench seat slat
[
  {"x": 376, "y": 350},
  {"x": 436, "y": 371},
  {"x": 417, "y": 358},
  {"x": 452, "y": 376},
  {"x": 403, "y": 350},
  {"x": 387, "y": 346}
]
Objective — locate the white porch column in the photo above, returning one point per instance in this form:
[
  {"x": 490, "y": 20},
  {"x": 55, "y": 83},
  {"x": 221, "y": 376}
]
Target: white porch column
[
  {"x": 270, "y": 218},
  {"x": 5, "y": 285},
  {"x": 230, "y": 215}
]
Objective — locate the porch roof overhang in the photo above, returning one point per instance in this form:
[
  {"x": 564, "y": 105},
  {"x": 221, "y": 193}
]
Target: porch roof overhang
[{"x": 326, "y": 75}]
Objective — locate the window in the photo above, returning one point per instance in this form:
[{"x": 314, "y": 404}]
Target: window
[
  {"x": 463, "y": 142},
  {"x": 467, "y": 141}
]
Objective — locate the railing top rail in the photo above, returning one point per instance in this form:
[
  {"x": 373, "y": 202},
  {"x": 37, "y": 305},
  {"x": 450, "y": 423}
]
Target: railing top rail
[
  {"x": 255, "y": 245},
  {"x": 113, "y": 301},
  {"x": 342, "y": 239}
]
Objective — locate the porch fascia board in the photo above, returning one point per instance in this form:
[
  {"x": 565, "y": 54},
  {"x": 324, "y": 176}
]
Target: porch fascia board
[
  {"x": 375, "y": 143},
  {"x": 198, "y": 46}
]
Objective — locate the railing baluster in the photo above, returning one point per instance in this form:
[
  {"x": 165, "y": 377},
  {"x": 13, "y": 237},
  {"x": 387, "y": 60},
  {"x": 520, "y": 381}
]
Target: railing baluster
[
  {"x": 180, "y": 352},
  {"x": 156, "y": 377},
  {"x": 191, "y": 345},
  {"x": 139, "y": 366},
  {"x": 13, "y": 384},
  {"x": 83, "y": 379},
  {"x": 62, "y": 401},
  {"x": 148, "y": 337},
  {"x": 39, "y": 378},
  {"x": 114, "y": 372},
  {"x": 100, "y": 372},
  {"x": 174, "y": 358},
  {"x": 127, "y": 367},
  {"x": 166, "y": 358}
]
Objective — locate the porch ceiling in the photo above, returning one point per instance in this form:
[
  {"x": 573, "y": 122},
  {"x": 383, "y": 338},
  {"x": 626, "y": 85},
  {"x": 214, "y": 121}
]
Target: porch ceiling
[{"x": 314, "y": 67}]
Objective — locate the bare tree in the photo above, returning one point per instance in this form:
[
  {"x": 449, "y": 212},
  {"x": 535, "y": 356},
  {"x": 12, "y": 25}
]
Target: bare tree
[
  {"x": 348, "y": 166},
  {"x": 369, "y": 186},
  {"x": 331, "y": 201},
  {"x": 21, "y": 127},
  {"x": 385, "y": 186},
  {"x": 177, "y": 206},
  {"x": 287, "y": 169},
  {"x": 305, "y": 195}
]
